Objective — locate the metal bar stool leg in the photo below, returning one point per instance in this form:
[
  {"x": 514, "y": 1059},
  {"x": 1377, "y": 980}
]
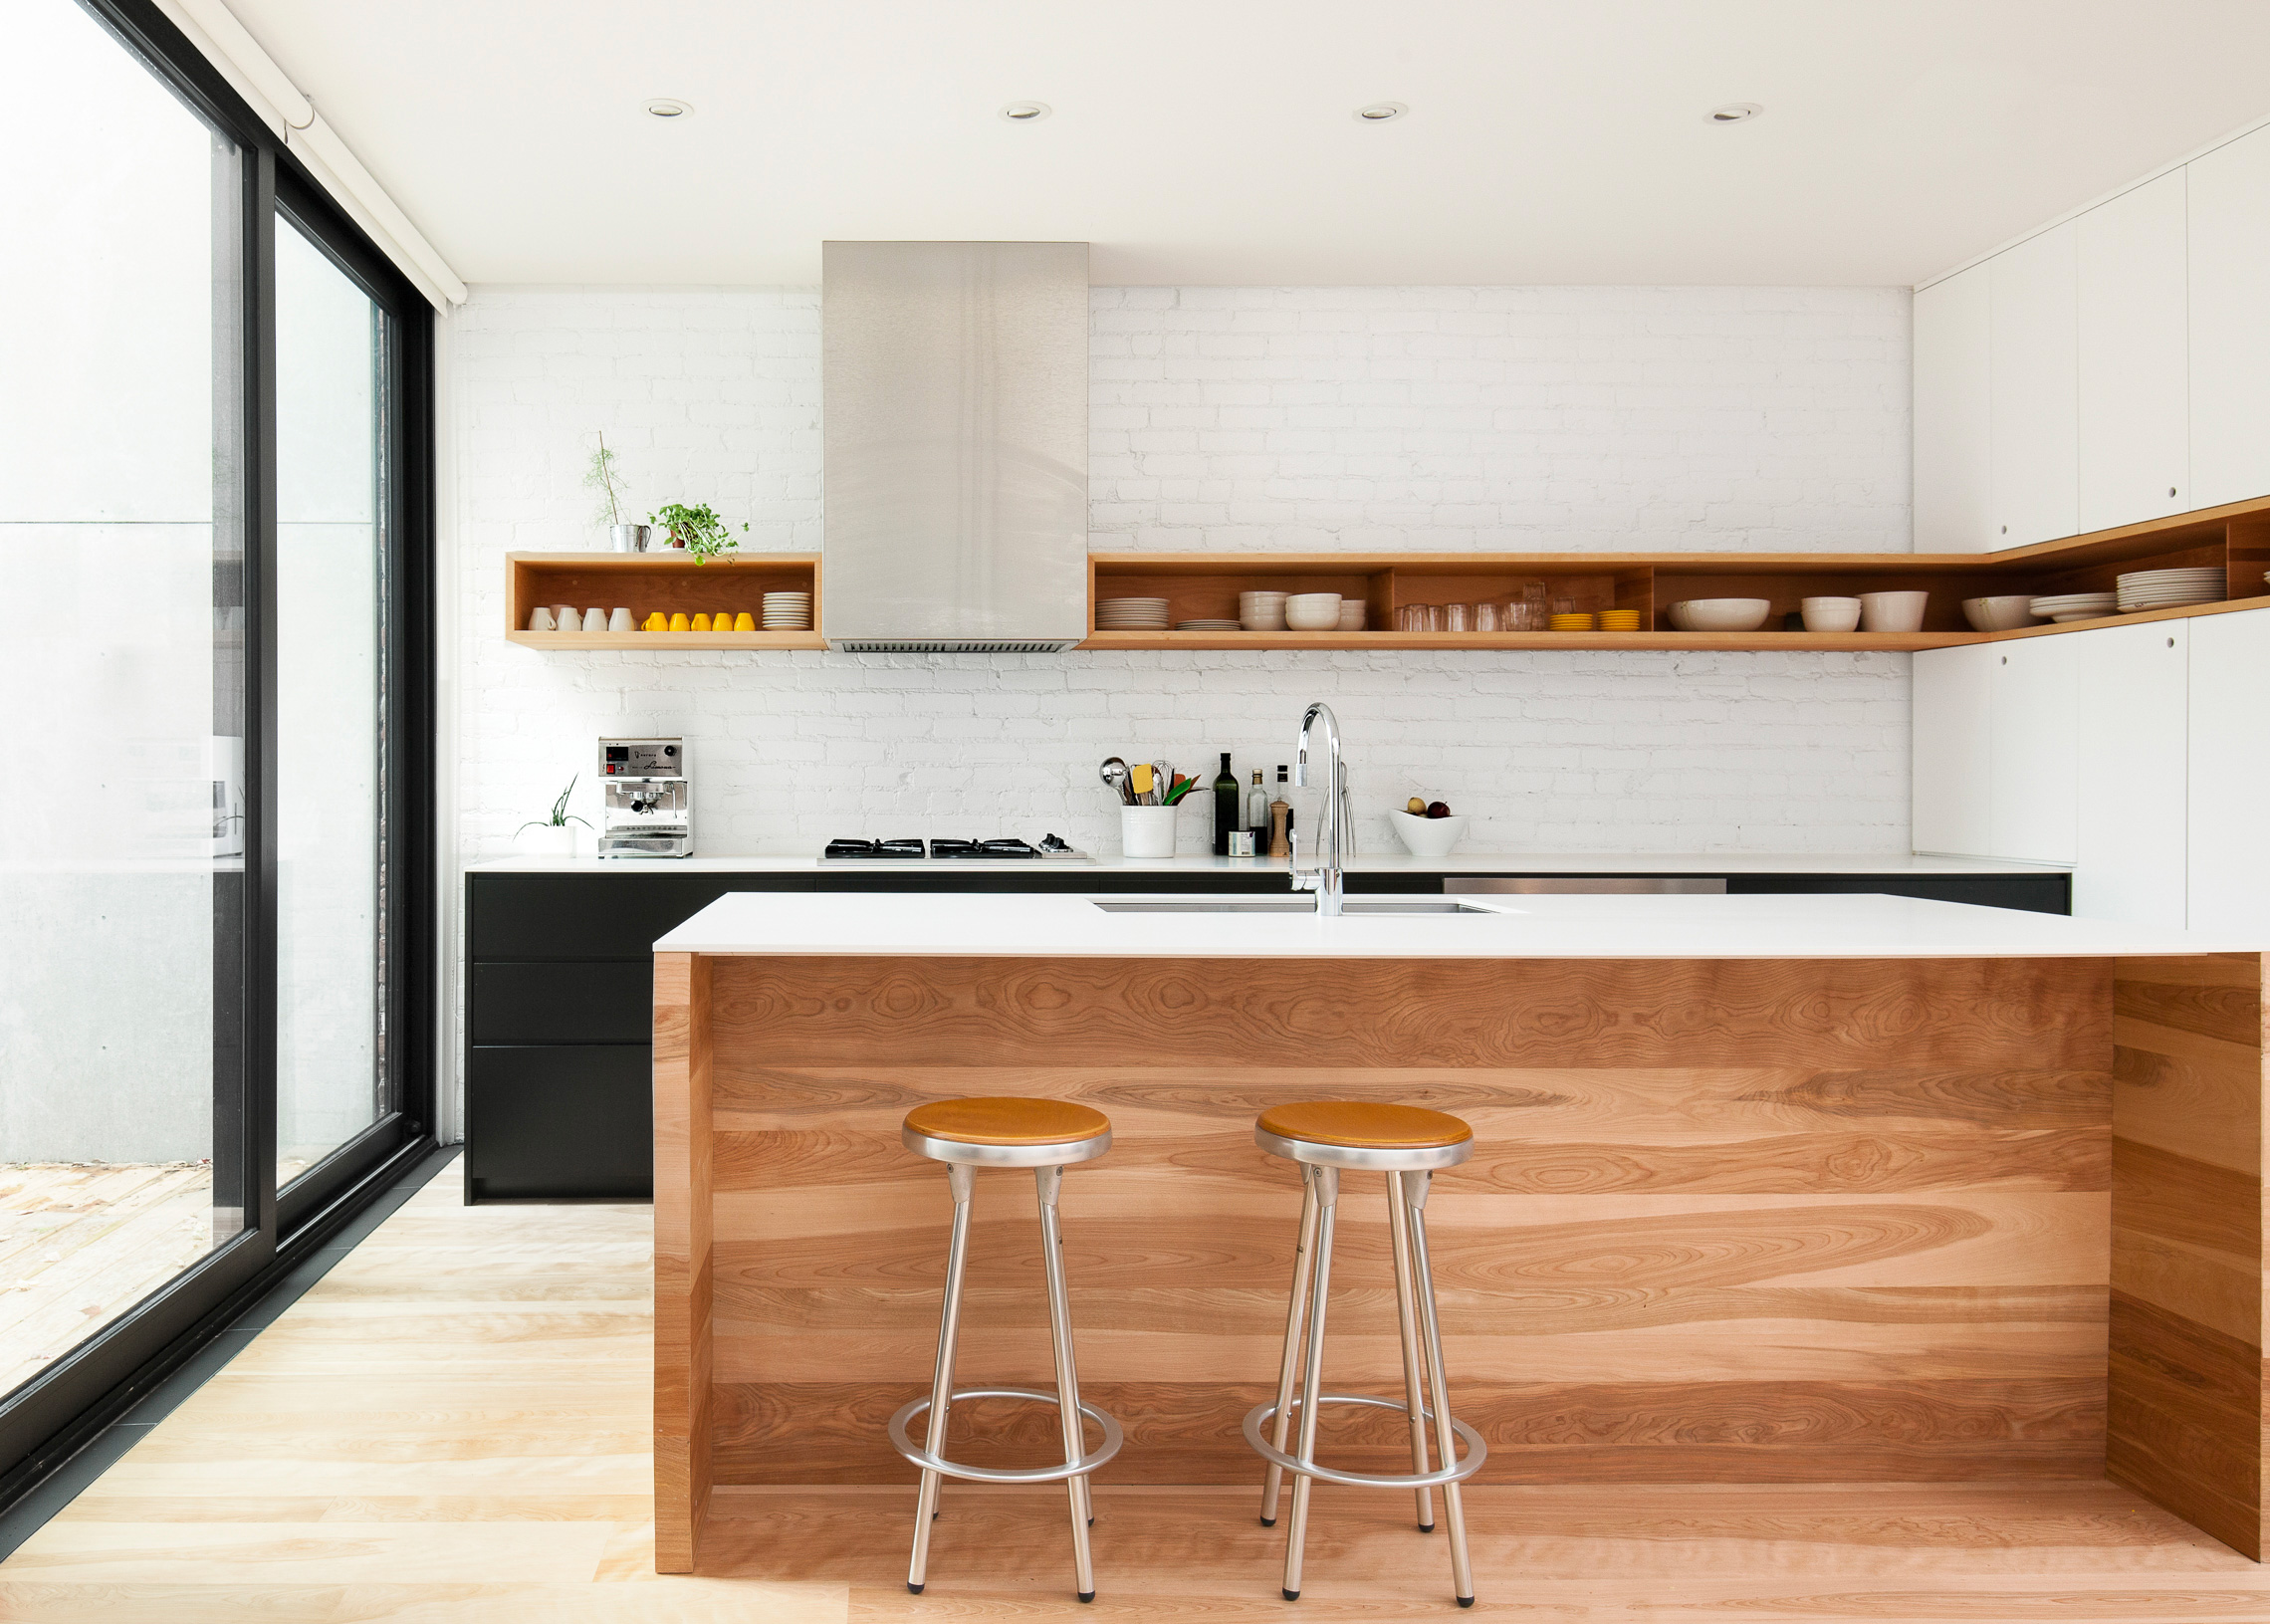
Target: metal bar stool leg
[
  {"x": 1049, "y": 1180},
  {"x": 1414, "y": 1192},
  {"x": 1303, "y": 1251},
  {"x": 1407, "y": 1321},
  {"x": 1325, "y": 1182},
  {"x": 963, "y": 1180}
]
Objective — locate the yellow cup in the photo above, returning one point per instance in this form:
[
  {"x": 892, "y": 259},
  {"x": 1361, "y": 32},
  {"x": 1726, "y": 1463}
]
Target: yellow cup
[
  {"x": 745, "y": 622},
  {"x": 701, "y": 623},
  {"x": 679, "y": 622},
  {"x": 653, "y": 623}
]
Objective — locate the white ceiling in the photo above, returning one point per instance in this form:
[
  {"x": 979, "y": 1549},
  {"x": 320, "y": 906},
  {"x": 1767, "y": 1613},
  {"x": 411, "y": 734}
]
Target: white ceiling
[{"x": 1212, "y": 142}]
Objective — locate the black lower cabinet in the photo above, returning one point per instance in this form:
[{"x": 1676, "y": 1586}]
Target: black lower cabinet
[{"x": 554, "y": 1122}]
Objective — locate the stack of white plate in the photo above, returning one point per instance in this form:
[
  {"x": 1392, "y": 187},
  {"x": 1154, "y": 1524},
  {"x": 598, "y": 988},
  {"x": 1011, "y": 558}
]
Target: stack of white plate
[
  {"x": 1131, "y": 614},
  {"x": 2170, "y": 588},
  {"x": 787, "y": 611},
  {"x": 1206, "y": 625},
  {"x": 2075, "y": 605}
]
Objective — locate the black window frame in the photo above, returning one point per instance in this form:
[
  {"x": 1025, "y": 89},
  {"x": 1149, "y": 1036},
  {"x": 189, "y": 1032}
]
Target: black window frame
[{"x": 47, "y": 1419}]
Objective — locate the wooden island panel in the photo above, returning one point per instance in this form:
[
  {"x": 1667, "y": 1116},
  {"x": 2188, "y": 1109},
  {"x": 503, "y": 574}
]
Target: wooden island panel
[{"x": 1882, "y": 1256}]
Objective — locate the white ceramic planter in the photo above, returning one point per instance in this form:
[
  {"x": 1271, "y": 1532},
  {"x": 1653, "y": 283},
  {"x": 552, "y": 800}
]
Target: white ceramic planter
[{"x": 547, "y": 840}]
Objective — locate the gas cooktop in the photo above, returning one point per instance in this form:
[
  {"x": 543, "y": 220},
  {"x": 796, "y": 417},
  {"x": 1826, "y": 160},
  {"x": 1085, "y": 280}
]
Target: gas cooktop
[{"x": 1051, "y": 850}]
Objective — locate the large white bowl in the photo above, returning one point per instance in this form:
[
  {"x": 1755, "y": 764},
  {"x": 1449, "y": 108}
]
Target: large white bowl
[
  {"x": 1999, "y": 613},
  {"x": 1312, "y": 611},
  {"x": 1427, "y": 836},
  {"x": 1893, "y": 612},
  {"x": 1721, "y": 613},
  {"x": 1830, "y": 614}
]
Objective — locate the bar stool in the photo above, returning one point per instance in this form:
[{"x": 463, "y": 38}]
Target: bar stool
[
  {"x": 1047, "y": 1135},
  {"x": 1406, "y": 1144}
]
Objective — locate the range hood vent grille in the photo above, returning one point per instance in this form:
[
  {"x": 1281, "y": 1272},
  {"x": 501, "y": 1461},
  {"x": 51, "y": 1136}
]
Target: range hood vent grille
[{"x": 952, "y": 645}]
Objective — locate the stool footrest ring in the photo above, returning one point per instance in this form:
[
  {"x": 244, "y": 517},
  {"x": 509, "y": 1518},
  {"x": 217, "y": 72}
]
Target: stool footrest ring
[
  {"x": 1112, "y": 1439},
  {"x": 1475, "y": 1450}
]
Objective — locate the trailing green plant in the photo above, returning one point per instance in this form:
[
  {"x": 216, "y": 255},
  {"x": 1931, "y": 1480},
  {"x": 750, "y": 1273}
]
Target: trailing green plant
[
  {"x": 560, "y": 816},
  {"x": 604, "y": 477},
  {"x": 697, "y": 528}
]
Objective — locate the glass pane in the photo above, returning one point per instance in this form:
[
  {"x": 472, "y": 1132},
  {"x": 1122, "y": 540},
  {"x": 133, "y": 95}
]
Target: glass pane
[
  {"x": 121, "y": 679},
  {"x": 330, "y": 642}
]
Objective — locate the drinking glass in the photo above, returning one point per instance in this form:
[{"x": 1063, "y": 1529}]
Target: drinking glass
[
  {"x": 1458, "y": 616},
  {"x": 1486, "y": 618}
]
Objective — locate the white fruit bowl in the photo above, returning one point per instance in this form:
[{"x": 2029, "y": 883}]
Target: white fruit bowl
[
  {"x": 1427, "y": 836},
  {"x": 1721, "y": 613}
]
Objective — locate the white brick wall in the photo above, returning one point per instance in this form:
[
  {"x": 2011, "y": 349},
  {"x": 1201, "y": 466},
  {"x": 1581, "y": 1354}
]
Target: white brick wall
[{"x": 1426, "y": 419}]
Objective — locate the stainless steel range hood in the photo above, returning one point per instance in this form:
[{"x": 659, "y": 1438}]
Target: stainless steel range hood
[{"x": 956, "y": 446}]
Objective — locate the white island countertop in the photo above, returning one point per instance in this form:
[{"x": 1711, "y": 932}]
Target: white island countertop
[
  {"x": 1543, "y": 927},
  {"x": 1196, "y": 865}
]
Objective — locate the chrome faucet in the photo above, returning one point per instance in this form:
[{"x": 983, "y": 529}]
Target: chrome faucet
[{"x": 1330, "y": 880}]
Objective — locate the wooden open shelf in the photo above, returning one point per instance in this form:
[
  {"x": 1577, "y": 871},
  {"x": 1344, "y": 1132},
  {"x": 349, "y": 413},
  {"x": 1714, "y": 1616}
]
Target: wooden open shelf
[
  {"x": 646, "y": 582},
  {"x": 1206, "y": 586}
]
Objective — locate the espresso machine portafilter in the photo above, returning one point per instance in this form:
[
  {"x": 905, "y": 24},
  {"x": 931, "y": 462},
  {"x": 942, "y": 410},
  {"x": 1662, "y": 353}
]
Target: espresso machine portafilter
[{"x": 649, "y": 806}]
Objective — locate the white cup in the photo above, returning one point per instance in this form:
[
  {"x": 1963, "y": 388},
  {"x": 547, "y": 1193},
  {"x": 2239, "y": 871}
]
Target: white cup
[
  {"x": 621, "y": 622},
  {"x": 1893, "y": 612},
  {"x": 594, "y": 620},
  {"x": 539, "y": 618},
  {"x": 1831, "y": 613},
  {"x": 1147, "y": 831},
  {"x": 567, "y": 619}
]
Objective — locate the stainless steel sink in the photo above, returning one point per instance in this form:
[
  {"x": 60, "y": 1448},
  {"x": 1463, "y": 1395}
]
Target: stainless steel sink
[{"x": 1356, "y": 907}]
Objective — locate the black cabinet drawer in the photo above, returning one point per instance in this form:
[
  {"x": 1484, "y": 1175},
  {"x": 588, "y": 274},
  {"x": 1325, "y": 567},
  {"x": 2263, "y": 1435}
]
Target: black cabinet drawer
[
  {"x": 611, "y": 915},
  {"x": 544, "y": 1121},
  {"x": 2029, "y": 893},
  {"x": 564, "y": 1002}
]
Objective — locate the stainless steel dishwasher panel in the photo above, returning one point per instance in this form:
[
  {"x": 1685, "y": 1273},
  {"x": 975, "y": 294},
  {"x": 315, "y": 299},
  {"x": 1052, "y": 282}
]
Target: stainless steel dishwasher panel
[{"x": 1578, "y": 885}]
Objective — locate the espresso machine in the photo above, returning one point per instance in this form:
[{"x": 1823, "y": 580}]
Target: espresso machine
[{"x": 649, "y": 805}]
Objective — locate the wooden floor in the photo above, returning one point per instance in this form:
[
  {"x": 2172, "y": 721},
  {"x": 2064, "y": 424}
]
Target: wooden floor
[
  {"x": 453, "y": 1427},
  {"x": 81, "y": 1243}
]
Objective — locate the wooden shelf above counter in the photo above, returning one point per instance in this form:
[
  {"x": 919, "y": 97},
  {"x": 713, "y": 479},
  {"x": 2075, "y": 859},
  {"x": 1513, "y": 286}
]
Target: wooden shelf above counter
[{"x": 644, "y": 582}]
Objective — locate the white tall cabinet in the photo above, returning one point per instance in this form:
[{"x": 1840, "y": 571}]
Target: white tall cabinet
[
  {"x": 2229, "y": 217},
  {"x": 2107, "y": 370},
  {"x": 2139, "y": 754},
  {"x": 2033, "y": 350},
  {"x": 2229, "y": 750},
  {"x": 2132, "y": 693},
  {"x": 1954, "y": 415},
  {"x": 2133, "y": 357}
]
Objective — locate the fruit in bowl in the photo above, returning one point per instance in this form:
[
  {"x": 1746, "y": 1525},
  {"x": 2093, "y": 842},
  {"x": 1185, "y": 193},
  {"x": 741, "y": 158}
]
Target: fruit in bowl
[{"x": 1427, "y": 828}]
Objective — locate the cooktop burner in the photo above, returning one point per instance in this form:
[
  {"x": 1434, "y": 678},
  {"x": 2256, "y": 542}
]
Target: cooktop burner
[{"x": 1007, "y": 849}]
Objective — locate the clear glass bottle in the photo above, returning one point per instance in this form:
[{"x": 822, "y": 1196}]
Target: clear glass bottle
[{"x": 1257, "y": 815}]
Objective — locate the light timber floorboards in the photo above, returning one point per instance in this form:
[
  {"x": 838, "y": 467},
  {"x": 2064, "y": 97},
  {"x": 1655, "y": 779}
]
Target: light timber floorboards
[{"x": 452, "y": 1427}]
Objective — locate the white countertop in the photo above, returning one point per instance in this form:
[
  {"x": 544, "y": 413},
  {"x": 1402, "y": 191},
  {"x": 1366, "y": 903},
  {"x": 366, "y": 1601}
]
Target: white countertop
[
  {"x": 1542, "y": 927},
  {"x": 1461, "y": 862}
]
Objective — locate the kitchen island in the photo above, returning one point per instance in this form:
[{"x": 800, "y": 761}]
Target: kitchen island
[{"x": 1768, "y": 1188}]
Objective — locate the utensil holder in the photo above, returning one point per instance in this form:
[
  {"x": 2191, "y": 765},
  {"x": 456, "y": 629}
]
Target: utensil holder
[{"x": 1147, "y": 831}]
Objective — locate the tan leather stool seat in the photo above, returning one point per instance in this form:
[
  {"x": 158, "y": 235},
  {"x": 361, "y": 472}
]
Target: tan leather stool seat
[
  {"x": 1007, "y": 1121},
  {"x": 1363, "y": 1125}
]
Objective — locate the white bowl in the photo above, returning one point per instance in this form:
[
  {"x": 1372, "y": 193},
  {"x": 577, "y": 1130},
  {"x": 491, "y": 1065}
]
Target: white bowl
[
  {"x": 1352, "y": 614},
  {"x": 1893, "y": 612},
  {"x": 1312, "y": 611},
  {"x": 1998, "y": 613},
  {"x": 1830, "y": 614},
  {"x": 1261, "y": 612},
  {"x": 1427, "y": 836},
  {"x": 1721, "y": 613}
]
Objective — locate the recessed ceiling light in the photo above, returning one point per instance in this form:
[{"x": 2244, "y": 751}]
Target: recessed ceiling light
[
  {"x": 1025, "y": 112},
  {"x": 1380, "y": 111},
  {"x": 1734, "y": 112},
  {"x": 664, "y": 106}
]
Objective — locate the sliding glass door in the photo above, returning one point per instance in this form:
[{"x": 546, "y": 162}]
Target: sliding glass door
[{"x": 215, "y": 661}]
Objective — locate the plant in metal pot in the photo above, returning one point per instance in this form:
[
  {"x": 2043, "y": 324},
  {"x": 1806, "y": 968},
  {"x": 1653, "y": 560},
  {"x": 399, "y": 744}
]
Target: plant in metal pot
[
  {"x": 554, "y": 838},
  {"x": 698, "y": 530}
]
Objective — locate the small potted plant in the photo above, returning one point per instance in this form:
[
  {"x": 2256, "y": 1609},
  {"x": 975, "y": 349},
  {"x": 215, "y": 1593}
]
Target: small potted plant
[
  {"x": 603, "y": 476},
  {"x": 554, "y": 838},
  {"x": 698, "y": 530}
]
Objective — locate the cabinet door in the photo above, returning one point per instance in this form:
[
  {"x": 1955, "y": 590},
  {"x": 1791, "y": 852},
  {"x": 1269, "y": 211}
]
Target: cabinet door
[
  {"x": 1952, "y": 693},
  {"x": 2230, "y": 207},
  {"x": 2036, "y": 390},
  {"x": 2231, "y": 773},
  {"x": 2129, "y": 685},
  {"x": 2135, "y": 414},
  {"x": 1954, "y": 415},
  {"x": 2032, "y": 765}
]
